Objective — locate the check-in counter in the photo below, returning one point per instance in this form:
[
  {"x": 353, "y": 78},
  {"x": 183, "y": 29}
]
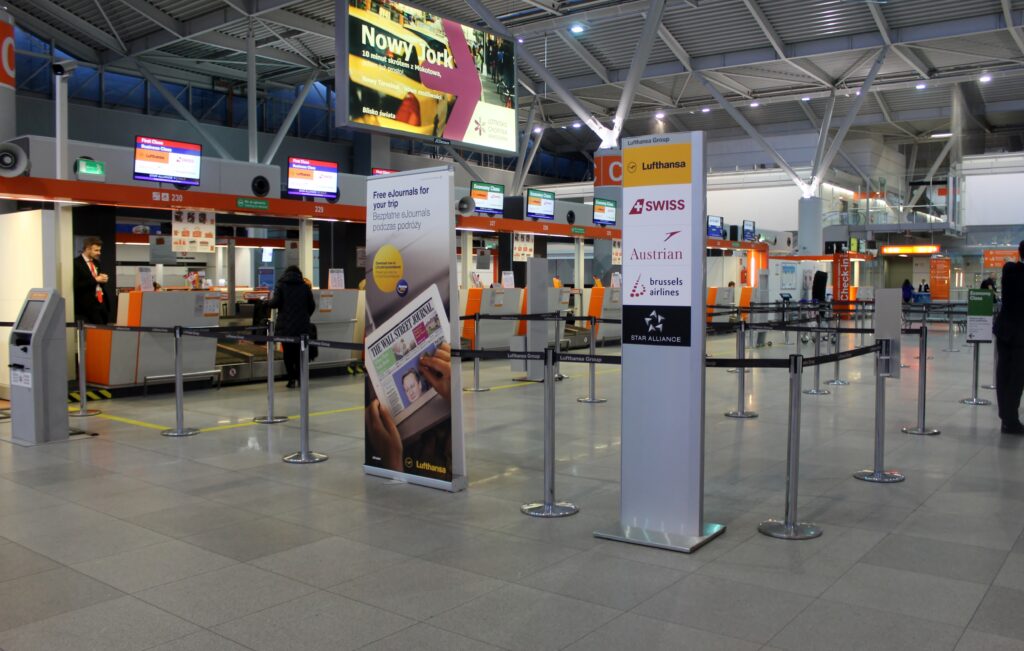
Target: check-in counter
[
  {"x": 604, "y": 303},
  {"x": 124, "y": 358},
  {"x": 338, "y": 317},
  {"x": 494, "y": 335},
  {"x": 720, "y": 298}
]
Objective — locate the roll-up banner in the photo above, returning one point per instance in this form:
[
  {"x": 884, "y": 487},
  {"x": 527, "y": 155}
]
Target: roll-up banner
[
  {"x": 663, "y": 242},
  {"x": 413, "y": 390}
]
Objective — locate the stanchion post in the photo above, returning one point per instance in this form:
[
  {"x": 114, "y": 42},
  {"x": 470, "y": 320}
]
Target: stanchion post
[
  {"x": 817, "y": 390},
  {"x": 741, "y": 388},
  {"x": 785, "y": 306},
  {"x": 789, "y": 528},
  {"x": 549, "y": 508},
  {"x": 558, "y": 343},
  {"x": 878, "y": 474},
  {"x": 837, "y": 381},
  {"x": 995, "y": 364},
  {"x": 83, "y": 398},
  {"x": 591, "y": 398},
  {"x": 304, "y": 455},
  {"x": 949, "y": 319},
  {"x": 922, "y": 383},
  {"x": 476, "y": 360},
  {"x": 974, "y": 400},
  {"x": 270, "y": 418},
  {"x": 179, "y": 393}
]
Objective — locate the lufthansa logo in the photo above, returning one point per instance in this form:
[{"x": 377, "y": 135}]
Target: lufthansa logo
[
  {"x": 631, "y": 167},
  {"x": 408, "y": 462}
]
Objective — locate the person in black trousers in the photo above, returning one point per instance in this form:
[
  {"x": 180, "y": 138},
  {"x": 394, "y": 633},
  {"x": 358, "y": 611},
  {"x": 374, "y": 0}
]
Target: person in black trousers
[
  {"x": 293, "y": 300},
  {"x": 1009, "y": 332},
  {"x": 90, "y": 284}
]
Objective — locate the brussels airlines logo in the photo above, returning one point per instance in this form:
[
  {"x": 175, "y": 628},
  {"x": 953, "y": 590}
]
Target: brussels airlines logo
[
  {"x": 656, "y": 205},
  {"x": 639, "y": 289}
]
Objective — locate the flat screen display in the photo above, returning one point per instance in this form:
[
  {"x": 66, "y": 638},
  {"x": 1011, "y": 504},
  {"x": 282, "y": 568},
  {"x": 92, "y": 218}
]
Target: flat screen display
[
  {"x": 489, "y": 197},
  {"x": 749, "y": 230},
  {"x": 265, "y": 277},
  {"x": 29, "y": 316},
  {"x": 540, "y": 204},
  {"x": 716, "y": 227},
  {"x": 312, "y": 178},
  {"x": 404, "y": 70},
  {"x": 167, "y": 161},
  {"x": 854, "y": 245},
  {"x": 604, "y": 212}
]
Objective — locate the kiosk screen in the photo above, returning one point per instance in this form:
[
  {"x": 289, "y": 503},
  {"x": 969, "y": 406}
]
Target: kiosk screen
[{"x": 29, "y": 316}]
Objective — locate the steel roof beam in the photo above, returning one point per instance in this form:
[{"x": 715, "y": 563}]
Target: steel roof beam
[
  {"x": 236, "y": 44},
  {"x": 585, "y": 54},
  {"x": 826, "y": 123},
  {"x": 847, "y": 122},
  {"x": 524, "y": 143},
  {"x": 295, "y": 21},
  {"x": 636, "y": 70},
  {"x": 73, "y": 46},
  {"x": 911, "y": 58},
  {"x": 77, "y": 23},
  {"x": 1011, "y": 25},
  {"x": 884, "y": 106},
  {"x": 673, "y": 44},
  {"x": 806, "y": 67},
  {"x": 931, "y": 174},
  {"x": 154, "y": 15},
  {"x": 852, "y": 70},
  {"x": 813, "y": 119}
]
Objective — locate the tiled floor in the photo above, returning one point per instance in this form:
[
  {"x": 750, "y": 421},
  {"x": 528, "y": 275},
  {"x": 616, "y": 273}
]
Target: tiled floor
[{"x": 130, "y": 540}]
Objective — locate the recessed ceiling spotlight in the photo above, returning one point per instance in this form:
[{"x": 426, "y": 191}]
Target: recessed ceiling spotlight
[
  {"x": 519, "y": 39},
  {"x": 577, "y": 28},
  {"x": 942, "y": 134},
  {"x": 921, "y": 86},
  {"x": 858, "y": 93},
  {"x": 660, "y": 115},
  {"x": 985, "y": 78},
  {"x": 805, "y": 98},
  {"x": 755, "y": 104},
  {"x": 705, "y": 110},
  {"x": 537, "y": 129},
  {"x": 576, "y": 125}
]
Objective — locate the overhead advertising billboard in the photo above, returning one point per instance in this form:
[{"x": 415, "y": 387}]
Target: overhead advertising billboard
[
  {"x": 489, "y": 197},
  {"x": 404, "y": 70},
  {"x": 167, "y": 161},
  {"x": 540, "y": 204},
  {"x": 312, "y": 178}
]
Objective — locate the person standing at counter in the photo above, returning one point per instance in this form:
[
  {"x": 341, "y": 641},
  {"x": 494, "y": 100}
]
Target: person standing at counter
[
  {"x": 293, "y": 300},
  {"x": 923, "y": 288},
  {"x": 91, "y": 304},
  {"x": 1009, "y": 331}
]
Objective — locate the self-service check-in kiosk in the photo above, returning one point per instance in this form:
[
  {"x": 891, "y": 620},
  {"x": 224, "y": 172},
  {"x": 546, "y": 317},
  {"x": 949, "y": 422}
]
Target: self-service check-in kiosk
[{"x": 39, "y": 376}]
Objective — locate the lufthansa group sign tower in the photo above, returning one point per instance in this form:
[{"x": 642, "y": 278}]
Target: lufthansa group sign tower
[{"x": 663, "y": 244}]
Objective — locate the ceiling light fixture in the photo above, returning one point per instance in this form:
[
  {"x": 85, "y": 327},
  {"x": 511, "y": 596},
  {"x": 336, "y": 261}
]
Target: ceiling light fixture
[
  {"x": 705, "y": 110},
  {"x": 985, "y": 78},
  {"x": 921, "y": 86},
  {"x": 942, "y": 134},
  {"x": 519, "y": 39},
  {"x": 577, "y": 28},
  {"x": 755, "y": 104},
  {"x": 805, "y": 99},
  {"x": 660, "y": 115},
  {"x": 576, "y": 125}
]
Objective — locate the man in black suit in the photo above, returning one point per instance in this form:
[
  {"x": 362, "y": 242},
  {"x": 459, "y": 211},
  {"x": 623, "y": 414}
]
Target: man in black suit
[
  {"x": 1009, "y": 331},
  {"x": 91, "y": 302}
]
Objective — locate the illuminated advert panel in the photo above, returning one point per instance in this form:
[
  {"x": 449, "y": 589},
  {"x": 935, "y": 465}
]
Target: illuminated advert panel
[
  {"x": 489, "y": 197},
  {"x": 540, "y": 204},
  {"x": 167, "y": 161},
  {"x": 604, "y": 212},
  {"x": 406, "y": 71},
  {"x": 312, "y": 178}
]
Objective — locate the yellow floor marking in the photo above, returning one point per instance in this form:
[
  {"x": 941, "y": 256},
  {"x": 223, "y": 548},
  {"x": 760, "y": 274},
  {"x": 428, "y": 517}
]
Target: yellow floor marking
[
  {"x": 219, "y": 428},
  {"x": 131, "y": 421}
]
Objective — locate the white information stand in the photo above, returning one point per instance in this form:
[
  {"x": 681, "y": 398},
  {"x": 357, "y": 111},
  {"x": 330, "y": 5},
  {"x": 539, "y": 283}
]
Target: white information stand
[{"x": 662, "y": 502}]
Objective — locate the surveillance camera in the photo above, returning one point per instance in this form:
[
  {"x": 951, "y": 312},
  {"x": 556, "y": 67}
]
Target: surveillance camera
[{"x": 61, "y": 68}]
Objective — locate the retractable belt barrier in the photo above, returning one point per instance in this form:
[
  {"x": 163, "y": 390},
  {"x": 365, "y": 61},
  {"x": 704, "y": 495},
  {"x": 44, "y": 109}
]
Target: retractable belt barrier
[{"x": 540, "y": 316}]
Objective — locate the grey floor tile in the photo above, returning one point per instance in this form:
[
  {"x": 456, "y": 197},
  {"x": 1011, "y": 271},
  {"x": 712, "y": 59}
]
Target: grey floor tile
[
  {"x": 17, "y": 561},
  {"x": 517, "y": 617},
  {"x": 631, "y": 631},
  {"x": 500, "y": 556},
  {"x": 202, "y": 641},
  {"x": 38, "y": 596},
  {"x": 330, "y": 561},
  {"x": 223, "y": 595},
  {"x": 319, "y": 621},
  {"x": 417, "y": 589},
  {"x": 189, "y": 519},
  {"x": 975, "y": 641},
  {"x": 427, "y": 638},
  {"x": 725, "y": 607},
  {"x": 413, "y": 536},
  {"x": 999, "y": 613},
  {"x": 124, "y": 624},
  {"x": 15, "y": 498},
  {"x": 252, "y": 539},
  {"x": 340, "y": 517},
  {"x": 980, "y": 531},
  {"x": 949, "y": 560},
  {"x": 841, "y": 627},
  {"x": 604, "y": 580},
  {"x": 925, "y": 596},
  {"x": 139, "y": 569}
]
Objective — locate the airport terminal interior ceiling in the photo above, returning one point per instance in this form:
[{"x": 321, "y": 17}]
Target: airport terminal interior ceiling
[{"x": 777, "y": 62}]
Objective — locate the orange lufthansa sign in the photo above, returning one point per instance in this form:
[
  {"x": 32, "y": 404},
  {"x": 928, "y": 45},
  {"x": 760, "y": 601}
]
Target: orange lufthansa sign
[
  {"x": 996, "y": 258},
  {"x": 657, "y": 165}
]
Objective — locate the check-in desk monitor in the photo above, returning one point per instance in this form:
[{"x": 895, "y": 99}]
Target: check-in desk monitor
[{"x": 38, "y": 369}]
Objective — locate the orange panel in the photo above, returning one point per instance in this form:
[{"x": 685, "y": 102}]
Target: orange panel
[
  {"x": 97, "y": 356},
  {"x": 521, "y": 328},
  {"x": 473, "y": 300},
  {"x": 596, "y": 307}
]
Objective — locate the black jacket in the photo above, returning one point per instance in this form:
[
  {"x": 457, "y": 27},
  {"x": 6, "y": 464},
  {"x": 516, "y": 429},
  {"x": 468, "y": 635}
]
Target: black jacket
[
  {"x": 1009, "y": 325},
  {"x": 293, "y": 300},
  {"x": 87, "y": 308}
]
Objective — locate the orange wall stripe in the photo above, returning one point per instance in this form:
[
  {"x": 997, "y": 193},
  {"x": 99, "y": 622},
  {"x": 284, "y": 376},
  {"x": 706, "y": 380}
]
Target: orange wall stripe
[{"x": 97, "y": 356}]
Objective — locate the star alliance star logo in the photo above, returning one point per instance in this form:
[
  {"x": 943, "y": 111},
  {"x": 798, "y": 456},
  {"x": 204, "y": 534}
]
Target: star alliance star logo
[{"x": 655, "y": 322}]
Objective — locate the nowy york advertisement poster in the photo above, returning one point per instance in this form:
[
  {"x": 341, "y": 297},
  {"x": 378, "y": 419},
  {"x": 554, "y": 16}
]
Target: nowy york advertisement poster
[{"x": 413, "y": 389}]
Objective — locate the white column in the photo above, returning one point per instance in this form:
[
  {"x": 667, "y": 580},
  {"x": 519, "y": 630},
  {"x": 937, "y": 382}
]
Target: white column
[
  {"x": 810, "y": 238},
  {"x": 466, "y": 245},
  {"x": 578, "y": 263},
  {"x": 306, "y": 247}
]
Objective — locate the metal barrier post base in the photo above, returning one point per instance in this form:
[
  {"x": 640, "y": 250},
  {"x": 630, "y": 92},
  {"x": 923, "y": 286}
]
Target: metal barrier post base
[
  {"x": 185, "y": 431},
  {"x": 592, "y": 401},
  {"x": 988, "y": 386},
  {"x": 269, "y": 420},
  {"x": 475, "y": 389},
  {"x": 556, "y": 510},
  {"x": 817, "y": 392},
  {"x": 797, "y": 531},
  {"x": 975, "y": 402},
  {"x": 740, "y": 414},
  {"x": 879, "y": 476},
  {"x": 920, "y": 432},
  {"x": 309, "y": 457},
  {"x": 81, "y": 413},
  {"x": 837, "y": 382}
]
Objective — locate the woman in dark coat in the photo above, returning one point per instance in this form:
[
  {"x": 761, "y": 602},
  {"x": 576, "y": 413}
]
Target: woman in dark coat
[{"x": 293, "y": 300}]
